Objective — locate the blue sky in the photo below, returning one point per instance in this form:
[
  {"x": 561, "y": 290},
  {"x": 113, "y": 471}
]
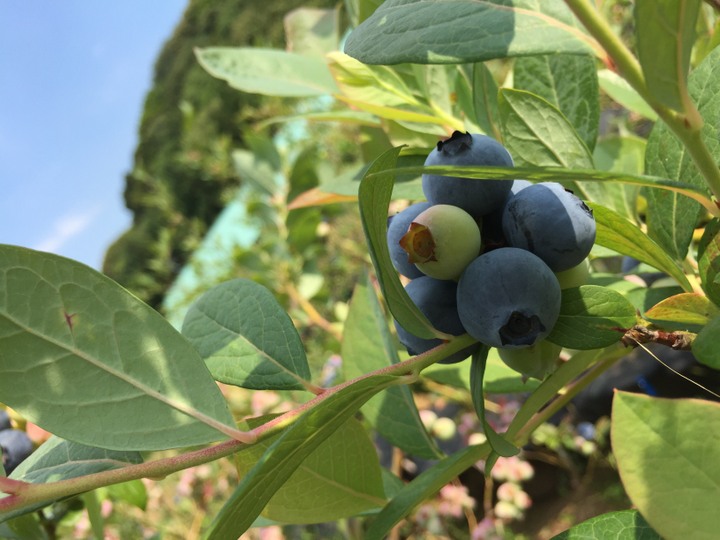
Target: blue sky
[{"x": 73, "y": 78}]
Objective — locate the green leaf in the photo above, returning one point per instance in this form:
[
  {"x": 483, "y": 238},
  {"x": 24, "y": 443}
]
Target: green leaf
[
  {"x": 418, "y": 31},
  {"x": 133, "y": 493},
  {"x": 376, "y": 85},
  {"x": 498, "y": 377},
  {"x": 592, "y": 317},
  {"x": 621, "y": 525},
  {"x": 246, "y": 338},
  {"x": 392, "y": 412},
  {"x": 620, "y": 90},
  {"x": 374, "y": 199},
  {"x": 341, "y": 477},
  {"x": 477, "y": 98},
  {"x": 626, "y": 154},
  {"x": 424, "y": 486},
  {"x": 537, "y": 133},
  {"x": 270, "y": 72},
  {"x": 312, "y": 31},
  {"x": 671, "y": 218},
  {"x": 25, "y": 527},
  {"x": 668, "y": 456},
  {"x": 567, "y": 81},
  {"x": 685, "y": 308},
  {"x": 644, "y": 298},
  {"x": 435, "y": 84},
  {"x": 499, "y": 444},
  {"x": 288, "y": 452},
  {"x": 617, "y": 233},
  {"x": 709, "y": 260},
  {"x": 665, "y": 35},
  {"x": 705, "y": 347},
  {"x": 58, "y": 459},
  {"x": 79, "y": 342}
]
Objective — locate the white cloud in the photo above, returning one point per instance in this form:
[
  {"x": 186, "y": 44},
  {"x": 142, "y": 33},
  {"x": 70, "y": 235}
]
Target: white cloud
[{"x": 65, "y": 228}]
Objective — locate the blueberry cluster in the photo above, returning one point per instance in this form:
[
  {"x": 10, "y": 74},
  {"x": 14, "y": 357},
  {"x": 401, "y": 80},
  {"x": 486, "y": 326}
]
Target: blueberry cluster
[
  {"x": 482, "y": 255},
  {"x": 15, "y": 445}
]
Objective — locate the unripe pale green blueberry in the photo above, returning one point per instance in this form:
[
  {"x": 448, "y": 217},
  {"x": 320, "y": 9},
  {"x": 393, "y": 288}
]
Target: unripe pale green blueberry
[
  {"x": 535, "y": 361},
  {"x": 442, "y": 241},
  {"x": 575, "y": 276}
]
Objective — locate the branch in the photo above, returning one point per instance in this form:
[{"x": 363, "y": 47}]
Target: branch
[{"x": 639, "y": 334}]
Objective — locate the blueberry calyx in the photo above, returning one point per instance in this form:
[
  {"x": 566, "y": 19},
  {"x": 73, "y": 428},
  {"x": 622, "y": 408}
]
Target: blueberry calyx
[
  {"x": 520, "y": 329},
  {"x": 418, "y": 243},
  {"x": 458, "y": 143}
]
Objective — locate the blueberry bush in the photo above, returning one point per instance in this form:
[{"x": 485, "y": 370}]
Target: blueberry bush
[{"x": 563, "y": 136}]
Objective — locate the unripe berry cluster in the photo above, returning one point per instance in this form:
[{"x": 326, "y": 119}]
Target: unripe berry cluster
[{"x": 482, "y": 255}]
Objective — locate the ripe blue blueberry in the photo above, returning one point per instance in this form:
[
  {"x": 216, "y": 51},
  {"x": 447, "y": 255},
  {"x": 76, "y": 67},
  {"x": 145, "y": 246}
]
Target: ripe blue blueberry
[
  {"x": 397, "y": 228},
  {"x": 552, "y": 223},
  {"x": 492, "y": 233},
  {"x": 4, "y": 420},
  {"x": 436, "y": 299},
  {"x": 16, "y": 446},
  {"x": 508, "y": 297},
  {"x": 476, "y": 197}
]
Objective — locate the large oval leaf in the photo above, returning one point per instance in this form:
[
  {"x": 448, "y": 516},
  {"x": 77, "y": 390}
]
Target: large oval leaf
[
  {"x": 622, "y": 525},
  {"x": 459, "y": 31},
  {"x": 592, "y": 317},
  {"x": 705, "y": 347},
  {"x": 665, "y": 32},
  {"x": 287, "y": 453},
  {"x": 340, "y": 478},
  {"x": 685, "y": 308},
  {"x": 671, "y": 218},
  {"x": 268, "y": 71},
  {"x": 246, "y": 338},
  {"x": 668, "y": 455},
  {"x": 58, "y": 459},
  {"x": 84, "y": 359},
  {"x": 570, "y": 83}
]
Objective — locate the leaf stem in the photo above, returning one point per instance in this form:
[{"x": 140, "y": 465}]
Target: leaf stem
[{"x": 686, "y": 127}]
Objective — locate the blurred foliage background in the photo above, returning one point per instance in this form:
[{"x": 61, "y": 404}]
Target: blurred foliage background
[{"x": 183, "y": 176}]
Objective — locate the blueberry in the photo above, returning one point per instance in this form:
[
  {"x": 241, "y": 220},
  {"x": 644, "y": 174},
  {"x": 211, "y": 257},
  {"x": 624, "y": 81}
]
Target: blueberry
[
  {"x": 551, "y": 222},
  {"x": 16, "y": 446},
  {"x": 4, "y": 420},
  {"x": 508, "y": 297},
  {"x": 436, "y": 299},
  {"x": 575, "y": 276},
  {"x": 442, "y": 241},
  {"x": 477, "y": 197},
  {"x": 492, "y": 233},
  {"x": 398, "y": 226},
  {"x": 586, "y": 430}
]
